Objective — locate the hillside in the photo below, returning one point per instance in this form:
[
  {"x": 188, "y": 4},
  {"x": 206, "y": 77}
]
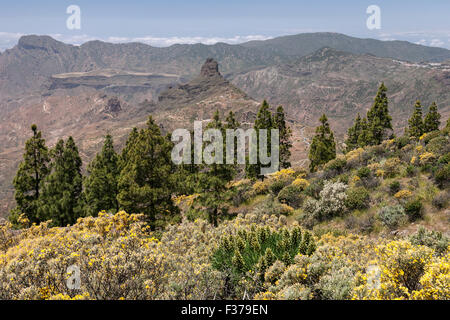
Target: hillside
[
  {"x": 370, "y": 224},
  {"x": 342, "y": 84}
]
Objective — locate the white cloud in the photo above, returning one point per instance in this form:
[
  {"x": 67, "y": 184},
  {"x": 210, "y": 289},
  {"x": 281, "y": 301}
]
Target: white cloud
[
  {"x": 436, "y": 43},
  {"x": 168, "y": 41},
  {"x": 426, "y": 38},
  {"x": 8, "y": 40},
  {"x": 422, "y": 42},
  {"x": 73, "y": 39}
]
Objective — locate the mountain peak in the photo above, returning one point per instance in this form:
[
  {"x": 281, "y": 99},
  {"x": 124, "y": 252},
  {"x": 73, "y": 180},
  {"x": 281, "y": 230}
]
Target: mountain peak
[
  {"x": 38, "y": 42},
  {"x": 210, "y": 68}
]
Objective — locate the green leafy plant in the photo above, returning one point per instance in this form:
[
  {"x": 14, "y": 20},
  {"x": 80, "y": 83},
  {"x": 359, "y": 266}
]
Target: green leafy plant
[
  {"x": 414, "y": 209},
  {"x": 257, "y": 249},
  {"x": 357, "y": 198}
]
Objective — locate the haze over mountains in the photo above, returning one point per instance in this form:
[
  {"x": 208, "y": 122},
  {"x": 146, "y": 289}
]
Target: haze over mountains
[{"x": 88, "y": 90}]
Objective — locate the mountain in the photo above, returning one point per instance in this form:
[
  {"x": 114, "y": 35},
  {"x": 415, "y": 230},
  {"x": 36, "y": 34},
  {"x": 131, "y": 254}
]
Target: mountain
[
  {"x": 89, "y": 90},
  {"x": 306, "y": 43},
  {"x": 342, "y": 84},
  {"x": 27, "y": 67},
  {"x": 178, "y": 106},
  {"x": 78, "y": 106}
]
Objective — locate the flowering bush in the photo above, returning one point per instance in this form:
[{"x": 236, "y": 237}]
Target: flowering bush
[
  {"x": 427, "y": 157},
  {"x": 403, "y": 194},
  {"x": 301, "y": 183},
  {"x": 391, "y": 167},
  {"x": 119, "y": 258},
  {"x": 404, "y": 273}
]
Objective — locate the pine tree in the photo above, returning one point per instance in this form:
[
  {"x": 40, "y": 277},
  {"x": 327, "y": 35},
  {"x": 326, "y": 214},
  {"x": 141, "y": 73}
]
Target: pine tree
[
  {"x": 146, "y": 179},
  {"x": 379, "y": 120},
  {"x": 353, "y": 134},
  {"x": 61, "y": 200},
  {"x": 263, "y": 120},
  {"x": 101, "y": 183},
  {"x": 186, "y": 174},
  {"x": 132, "y": 138},
  {"x": 446, "y": 130},
  {"x": 285, "y": 133},
  {"x": 232, "y": 124},
  {"x": 432, "y": 119},
  {"x": 415, "y": 123},
  {"x": 214, "y": 179},
  {"x": 32, "y": 170},
  {"x": 323, "y": 146},
  {"x": 364, "y": 136}
]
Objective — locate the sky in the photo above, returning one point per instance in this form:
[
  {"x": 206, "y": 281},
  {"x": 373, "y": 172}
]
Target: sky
[{"x": 163, "y": 23}]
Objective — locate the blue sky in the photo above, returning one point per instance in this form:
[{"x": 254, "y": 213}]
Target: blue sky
[{"x": 162, "y": 23}]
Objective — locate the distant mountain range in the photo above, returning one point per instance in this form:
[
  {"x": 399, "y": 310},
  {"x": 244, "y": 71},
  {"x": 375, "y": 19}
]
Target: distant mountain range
[
  {"x": 342, "y": 84},
  {"x": 98, "y": 87}
]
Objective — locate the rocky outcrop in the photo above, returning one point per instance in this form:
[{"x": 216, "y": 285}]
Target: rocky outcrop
[
  {"x": 113, "y": 106},
  {"x": 210, "y": 69}
]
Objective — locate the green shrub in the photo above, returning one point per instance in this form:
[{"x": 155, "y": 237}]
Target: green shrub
[
  {"x": 392, "y": 216},
  {"x": 430, "y": 136},
  {"x": 344, "y": 178},
  {"x": 241, "y": 194},
  {"x": 442, "y": 176},
  {"x": 401, "y": 142},
  {"x": 410, "y": 170},
  {"x": 357, "y": 198},
  {"x": 438, "y": 145},
  {"x": 276, "y": 186},
  {"x": 291, "y": 195},
  {"x": 432, "y": 239},
  {"x": 394, "y": 187},
  {"x": 337, "y": 164},
  {"x": 364, "y": 172},
  {"x": 414, "y": 209},
  {"x": 259, "y": 249},
  {"x": 313, "y": 190},
  {"x": 444, "y": 159}
]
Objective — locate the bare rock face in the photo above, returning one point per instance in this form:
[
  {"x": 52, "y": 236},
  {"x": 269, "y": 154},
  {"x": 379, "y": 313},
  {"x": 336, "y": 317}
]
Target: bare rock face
[{"x": 210, "y": 68}]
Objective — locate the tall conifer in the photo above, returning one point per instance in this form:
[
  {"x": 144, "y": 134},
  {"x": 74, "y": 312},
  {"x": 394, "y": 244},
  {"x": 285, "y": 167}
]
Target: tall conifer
[
  {"x": 379, "y": 120},
  {"x": 146, "y": 181},
  {"x": 323, "y": 146},
  {"x": 61, "y": 200},
  {"x": 285, "y": 133},
  {"x": 432, "y": 119},
  {"x": 101, "y": 183},
  {"x": 32, "y": 170},
  {"x": 415, "y": 123}
]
